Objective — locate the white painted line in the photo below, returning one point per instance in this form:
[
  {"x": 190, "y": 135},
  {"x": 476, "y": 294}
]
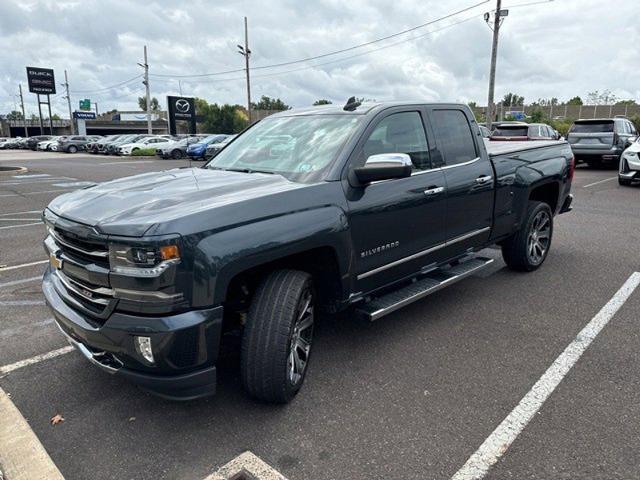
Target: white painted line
[
  {"x": 246, "y": 465},
  {"x": 37, "y": 181},
  {"x": 14, "y": 267},
  {"x": 20, "y": 282},
  {"x": 33, "y": 360},
  {"x": 20, "y": 226},
  {"x": 18, "y": 219},
  {"x": 500, "y": 440},
  {"x": 123, "y": 163},
  {"x": 20, "y": 303},
  {"x": 22, "y": 456},
  {"x": 31, "y": 175},
  {"x": 599, "y": 182},
  {"x": 20, "y": 213},
  {"x": 61, "y": 190}
]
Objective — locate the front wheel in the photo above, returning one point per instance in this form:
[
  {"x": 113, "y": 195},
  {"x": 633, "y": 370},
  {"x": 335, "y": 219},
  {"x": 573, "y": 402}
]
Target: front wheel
[
  {"x": 528, "y": 248},
  {"x": 176, "y": 154},
  {"x": 72, "y": 149},
  {"x": 276, "y": 342}
]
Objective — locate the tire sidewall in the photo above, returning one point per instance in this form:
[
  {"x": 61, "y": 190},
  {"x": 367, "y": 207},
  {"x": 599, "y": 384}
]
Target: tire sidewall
[
  {"x": 292, "y": 388},
  {"x": 533, "y": 212}
]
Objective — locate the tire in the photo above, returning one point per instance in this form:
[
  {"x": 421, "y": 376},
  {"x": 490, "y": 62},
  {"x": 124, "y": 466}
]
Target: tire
[
  {"x": 527, "y": 249},
  {"x": 72, "y": 149},
  {"x": 176, "y": 154},
  {"x": 276, "y": 341},
  {"x": 624, "y": 182}
]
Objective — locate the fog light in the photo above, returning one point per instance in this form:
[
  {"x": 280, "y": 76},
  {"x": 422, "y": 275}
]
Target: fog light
[{"x": 143, "y": 346}]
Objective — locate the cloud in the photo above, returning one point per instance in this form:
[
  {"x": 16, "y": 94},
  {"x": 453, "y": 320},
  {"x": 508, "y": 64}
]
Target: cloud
[{"x": 557, "y": 49}]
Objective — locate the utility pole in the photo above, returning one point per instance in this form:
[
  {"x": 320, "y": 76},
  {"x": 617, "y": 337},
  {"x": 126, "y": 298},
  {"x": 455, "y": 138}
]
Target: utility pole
[
  {"x": 145, "y": 65},
  {"x": 24, "y": 117},
  {"x": 246, "y": 53},
  {"x": 499, "y": 13},
  {"x": 95, "y": 104},
  {"x": 68, "y": 97}
]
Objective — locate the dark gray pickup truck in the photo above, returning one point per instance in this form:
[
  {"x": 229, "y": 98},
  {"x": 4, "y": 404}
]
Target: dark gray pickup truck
[{"x": 367, "y": 207}]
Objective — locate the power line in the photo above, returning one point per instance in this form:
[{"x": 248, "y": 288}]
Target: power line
[
  {"x": 303, "y": 60},
  {"x": 109, "y": 87}
]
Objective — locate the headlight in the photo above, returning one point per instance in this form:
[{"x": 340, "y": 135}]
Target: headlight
[{"x": 142, "y": 261}]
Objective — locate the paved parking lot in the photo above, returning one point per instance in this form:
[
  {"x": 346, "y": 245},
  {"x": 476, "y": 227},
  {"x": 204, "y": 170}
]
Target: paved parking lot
[{"x": 411, "y": 396}]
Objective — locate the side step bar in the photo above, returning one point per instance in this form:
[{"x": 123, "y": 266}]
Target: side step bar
[{"x": 433, "y": 281}]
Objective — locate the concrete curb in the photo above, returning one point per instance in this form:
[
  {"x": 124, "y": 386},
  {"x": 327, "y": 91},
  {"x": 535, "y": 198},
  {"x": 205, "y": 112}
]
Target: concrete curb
[
  {"x": 22, "y": 456},
  {"x": 13, "y": 171}
]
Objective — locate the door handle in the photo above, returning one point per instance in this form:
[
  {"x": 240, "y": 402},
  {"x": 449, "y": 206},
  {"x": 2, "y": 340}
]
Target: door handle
[
  {"x": 484, "y": 179},
  {"x": 433, "y": 191}
]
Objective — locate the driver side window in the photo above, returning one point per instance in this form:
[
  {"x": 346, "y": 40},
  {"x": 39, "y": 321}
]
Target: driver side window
[{"x": 400, "y": 133}]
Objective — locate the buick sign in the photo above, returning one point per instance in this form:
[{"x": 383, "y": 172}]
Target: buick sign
[{"x": 41, "y": 80}]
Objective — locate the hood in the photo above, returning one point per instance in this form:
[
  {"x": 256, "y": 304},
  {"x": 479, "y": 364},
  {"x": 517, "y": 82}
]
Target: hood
[{"x": 130, "y": 206}]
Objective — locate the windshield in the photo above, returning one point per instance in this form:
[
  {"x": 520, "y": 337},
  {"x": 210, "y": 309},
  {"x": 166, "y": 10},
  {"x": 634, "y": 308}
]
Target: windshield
[
  {"x": 298, "y": 147},
  {"x": 511, "y": 131},
  {"x": 592, "y": 127}
]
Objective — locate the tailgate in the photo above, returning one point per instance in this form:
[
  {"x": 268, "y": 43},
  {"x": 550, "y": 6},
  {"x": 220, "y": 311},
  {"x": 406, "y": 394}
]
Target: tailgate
[{"x": 592, "y": 134}]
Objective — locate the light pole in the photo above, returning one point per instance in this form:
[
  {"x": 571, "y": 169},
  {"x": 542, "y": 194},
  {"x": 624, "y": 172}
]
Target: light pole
[
  {"x": 499, "y": 13},
  {"x": 24, "y": 118},
  {"x": 246, "y": 53},
  {"x": 145, "y": 65},
  {"x": 68, "y": 97}
]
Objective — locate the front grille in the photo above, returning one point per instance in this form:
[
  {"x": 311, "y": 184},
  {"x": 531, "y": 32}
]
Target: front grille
[
  {"x": 95, "y": 299},
  {"x": 81, "y": 248}
]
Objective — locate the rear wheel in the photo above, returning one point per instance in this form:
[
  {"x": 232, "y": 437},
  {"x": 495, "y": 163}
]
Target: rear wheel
[
  {"x": 528, "y": 248},
  {"x": 276, "y": 342},
  {"x": 176, "y": 154},
  {"x": 72, "y": 149}
]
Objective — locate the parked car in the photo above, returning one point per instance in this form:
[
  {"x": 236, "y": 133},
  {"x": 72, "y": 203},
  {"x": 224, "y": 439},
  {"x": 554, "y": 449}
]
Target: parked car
[
  {"x": 74, "y": 143},
  {"x": 600, "y": 142},
  {"x": 32, "y": 142},
  {"x": 111, "y": 148},
  {"x": 54, "y": 145},
  {"x": 46, "y": 144},
  {"x": 148, "y": 272},
  {"x": 146, "y": 142},
  {"x": 178, "y": 149},
  {"x": 214, "y": 148},
  {"x": 97, "y": 146},
  {"x": 484, "y": 131},
  {"x": 516, "y": 132},
  {"x": 197, "y": 150},
  {"x": 629, "y": 170},
  {"x": 4, "y": 142}
]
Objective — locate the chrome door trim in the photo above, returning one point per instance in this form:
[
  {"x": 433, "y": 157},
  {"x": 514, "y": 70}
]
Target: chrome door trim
[{"x": 439, "y": 246}]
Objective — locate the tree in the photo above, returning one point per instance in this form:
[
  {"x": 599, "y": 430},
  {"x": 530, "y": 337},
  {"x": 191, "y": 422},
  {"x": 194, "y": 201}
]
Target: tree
[
  {"x": 142, "y": 103},
  {"x": 512, "y": 99},
  {"x": 598, "y": 98},
  {"x": 268, "y": 103},
  {"x": 216, "y": 118},
  {"x": 14, "y": 115},
  {"x": 575, "y": 101},
  {"x": 626, "y": 102},
  {"x": 322, "y": 101}
]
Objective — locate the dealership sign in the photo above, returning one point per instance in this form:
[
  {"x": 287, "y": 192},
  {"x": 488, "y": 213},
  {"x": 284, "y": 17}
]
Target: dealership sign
[
  {"x": 181, "y": 108},
  {"x": 84, "y": 115},
  {"x": 41, "y": 80}
]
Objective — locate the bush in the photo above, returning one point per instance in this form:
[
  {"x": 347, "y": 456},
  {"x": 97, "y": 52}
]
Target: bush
[{"x": 143, "y": 152}]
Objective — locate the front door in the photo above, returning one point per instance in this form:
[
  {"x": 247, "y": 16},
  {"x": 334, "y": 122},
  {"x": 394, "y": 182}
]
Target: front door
[{"x": 397, "y": 226}]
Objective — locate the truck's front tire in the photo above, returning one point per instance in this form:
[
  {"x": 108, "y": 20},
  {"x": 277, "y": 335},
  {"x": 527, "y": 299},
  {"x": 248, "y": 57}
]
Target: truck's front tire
[
  {"x": 527, "y": 249},
  {"x": 276, "y": 342}
]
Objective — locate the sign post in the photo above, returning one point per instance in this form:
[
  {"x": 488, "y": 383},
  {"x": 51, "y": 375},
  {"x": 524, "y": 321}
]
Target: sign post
[
  {"x": 82, "y": 124},
  {"x": 42, "y": 82},
  {"x": 181, "y": 108}
]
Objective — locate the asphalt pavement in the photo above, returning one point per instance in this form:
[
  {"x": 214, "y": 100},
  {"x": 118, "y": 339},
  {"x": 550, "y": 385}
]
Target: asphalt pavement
[{"x": 411, "y": 396}]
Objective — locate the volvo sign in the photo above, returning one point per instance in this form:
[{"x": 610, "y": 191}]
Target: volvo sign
[{"x": 181, "y": 109}]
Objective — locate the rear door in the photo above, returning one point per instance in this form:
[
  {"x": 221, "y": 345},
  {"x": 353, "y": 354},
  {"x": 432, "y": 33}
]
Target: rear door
[
  {"x": 469, "y": 177},
  {"x": 595, "y": 135}
]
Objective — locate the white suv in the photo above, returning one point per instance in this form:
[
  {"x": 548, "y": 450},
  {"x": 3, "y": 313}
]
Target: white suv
[
  {"x": 630, "y": 164},
  {"x": 148, "y": 142}
]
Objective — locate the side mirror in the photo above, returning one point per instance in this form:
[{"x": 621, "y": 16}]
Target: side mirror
[
  {"x": 384, "y": 166},
  {"x": 632, "y": 139}
]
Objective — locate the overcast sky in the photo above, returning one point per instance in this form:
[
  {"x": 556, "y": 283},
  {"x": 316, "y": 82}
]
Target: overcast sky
[{"x": 557, "y": 49}]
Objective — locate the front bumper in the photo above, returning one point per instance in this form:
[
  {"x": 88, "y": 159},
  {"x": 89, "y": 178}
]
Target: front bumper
[{"x": 185, "y": 345}]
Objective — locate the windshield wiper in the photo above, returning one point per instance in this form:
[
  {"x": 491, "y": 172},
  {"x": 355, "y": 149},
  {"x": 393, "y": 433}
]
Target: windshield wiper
[{"x": 248, "y": 170}]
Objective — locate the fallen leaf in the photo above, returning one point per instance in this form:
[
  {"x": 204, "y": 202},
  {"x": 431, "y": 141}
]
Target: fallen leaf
[
  {"x": 56, "y": 419},
  {"x": 132, "y": 419}
]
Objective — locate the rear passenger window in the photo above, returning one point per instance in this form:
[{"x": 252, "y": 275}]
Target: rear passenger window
[
  {"x": 454, "y": 133},
  {"x": 400, "y": 133}
]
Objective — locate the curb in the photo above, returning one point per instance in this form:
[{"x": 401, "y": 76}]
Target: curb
[
  {"x": 22, "y": 456},
  {"x": 13, "y": 170}
]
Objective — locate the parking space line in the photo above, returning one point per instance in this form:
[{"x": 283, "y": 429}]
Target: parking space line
[
  {"x": 61, "y": 190},
  {"x": 17, "y": 219},
  {"x": 20, "y": 282},
  {"x": 599, "y": 182},
  {"x": 36, "y": 181},
  {"x": 22, "y": 456},
  {"x": 124, "y": 163},
  {"x": 495, "y": 446},
  {"x": 21, "y": 303},
  {"x": 36, "y": 359},
  {"x": 246, "y": 465},
  {"x": 20, "y": 226},
  {"x": 19, "y": 213},
  {"x": 23, "y": 265}
]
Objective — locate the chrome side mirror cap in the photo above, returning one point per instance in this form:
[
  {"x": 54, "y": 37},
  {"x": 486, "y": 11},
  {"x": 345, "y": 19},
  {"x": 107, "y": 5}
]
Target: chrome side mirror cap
[{"x": 384, "y": 166}]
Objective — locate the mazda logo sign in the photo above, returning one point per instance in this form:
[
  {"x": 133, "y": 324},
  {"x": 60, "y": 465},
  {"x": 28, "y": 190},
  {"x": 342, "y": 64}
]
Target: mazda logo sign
[{"x": 182, "y": 105}]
